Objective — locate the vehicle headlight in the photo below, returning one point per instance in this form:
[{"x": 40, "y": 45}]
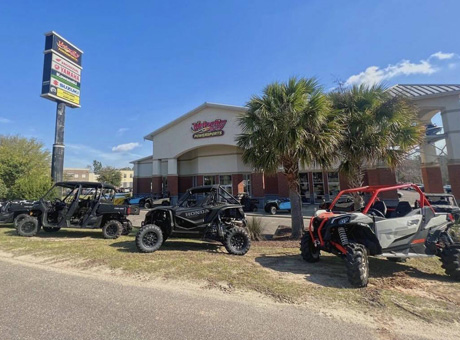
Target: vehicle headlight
[{"x": 343, "y": 220}]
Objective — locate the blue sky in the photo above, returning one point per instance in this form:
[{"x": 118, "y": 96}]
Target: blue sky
[{"x": 148, "y": 62}]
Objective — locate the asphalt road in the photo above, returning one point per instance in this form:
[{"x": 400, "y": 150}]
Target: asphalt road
[{"x": 39, "y": 303}]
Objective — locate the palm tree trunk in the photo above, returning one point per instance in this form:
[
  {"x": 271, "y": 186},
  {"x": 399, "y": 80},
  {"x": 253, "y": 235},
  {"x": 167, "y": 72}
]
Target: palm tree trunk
[{"x": 296, "y": 213}]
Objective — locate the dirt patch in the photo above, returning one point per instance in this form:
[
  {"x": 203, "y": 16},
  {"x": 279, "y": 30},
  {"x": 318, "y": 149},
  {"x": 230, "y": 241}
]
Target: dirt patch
[{"x": 277, "y": 244}]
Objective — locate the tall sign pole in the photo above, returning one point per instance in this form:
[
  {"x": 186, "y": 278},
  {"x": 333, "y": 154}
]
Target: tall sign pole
[
  {"x": 61, "y": 83},
  {"x": 57, "y": 163}
]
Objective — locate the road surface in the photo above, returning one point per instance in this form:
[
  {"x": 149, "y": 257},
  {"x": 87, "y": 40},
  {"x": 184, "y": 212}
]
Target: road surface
[{"x": 43, "y": 303}]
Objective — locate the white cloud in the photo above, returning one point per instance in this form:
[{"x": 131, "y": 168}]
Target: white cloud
[
  {"x": 442, "y": 56},
  {"x": 125, "y": 147},
  {"x": 4, "y": 120},
  {"x": 122, "y": 130},
  {"x": 375, "y": 75}
]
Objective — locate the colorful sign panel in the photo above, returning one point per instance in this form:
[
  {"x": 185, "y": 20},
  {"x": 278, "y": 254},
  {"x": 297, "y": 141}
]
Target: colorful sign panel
[
  {"x": 61, "y": 71},
  {"x": 204, "y": 129}
]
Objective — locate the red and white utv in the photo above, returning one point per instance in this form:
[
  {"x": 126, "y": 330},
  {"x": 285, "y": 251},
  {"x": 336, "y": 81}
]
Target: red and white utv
[{"x": 383, "y": 225}]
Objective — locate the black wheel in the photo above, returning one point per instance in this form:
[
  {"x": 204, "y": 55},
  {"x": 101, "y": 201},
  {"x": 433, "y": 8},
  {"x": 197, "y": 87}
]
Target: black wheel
[
  {"x": 237, "y": 241},
  {"x": 149, "y": 238},
  {"x": 19, "y": 218},
  {"x": 28, "y": 227},
  {"x": 289, "y": 211},
  {"x": 127, "y": 228},
  {"x": 273, "y": 210},
  {"x": 165, "y": 203},
  {"x": 147, "y": 205},
  {"x": 450, "y": 258},
  {"x": 308, "y": 250},
  {"x": 112, "y": 229},
  {"x": 51, "y": 229},
  {"x": 397, "y": 259},
  {"x": 357, "y": 264}
]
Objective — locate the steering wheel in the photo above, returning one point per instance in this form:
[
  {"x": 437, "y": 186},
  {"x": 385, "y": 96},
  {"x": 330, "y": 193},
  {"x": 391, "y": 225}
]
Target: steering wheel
[{"x": 375, "y": 212}]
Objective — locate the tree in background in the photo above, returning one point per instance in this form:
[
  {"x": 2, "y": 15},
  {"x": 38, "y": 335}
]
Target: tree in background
[
  {"x": 110, "y": 175},
  {"x": 97, "y": 166},
  {"x": 24, "y": 168},
  {"x": 378, "y": 127},
  {"x": 290, "y": 124}
]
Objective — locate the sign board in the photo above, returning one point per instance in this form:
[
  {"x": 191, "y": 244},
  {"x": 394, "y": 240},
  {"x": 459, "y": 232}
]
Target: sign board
[
  {"x": 61, "y": 70},
  {"x": 204, "y": 129}
]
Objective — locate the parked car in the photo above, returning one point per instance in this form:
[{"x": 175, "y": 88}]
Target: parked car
[
  {"x": 344, "y": 203},
  {"x": 209, "y": 212},
  {"x": 77, "y": 205},
  {"x": 148, "y": 201},
  {"x": 248, "y": 203},
  {"x": 273, "y": 206},
  {"x": 444, "y": 203},
  {"x": 448, "y": 188},
  {"x": 406, "y": 232}
]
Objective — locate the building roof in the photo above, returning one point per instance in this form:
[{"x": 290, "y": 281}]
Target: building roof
[
  {"x": 191, "y": 113},
  {"x": 142, "y": 159},
  {"x": 421, "y": 91}
]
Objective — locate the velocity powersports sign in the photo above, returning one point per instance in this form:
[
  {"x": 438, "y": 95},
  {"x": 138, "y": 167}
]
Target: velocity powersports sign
[{"x": 61, "y": 70}]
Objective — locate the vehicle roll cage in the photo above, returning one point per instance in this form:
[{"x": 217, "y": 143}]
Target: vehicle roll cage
[{"x": 375, "y": 190}]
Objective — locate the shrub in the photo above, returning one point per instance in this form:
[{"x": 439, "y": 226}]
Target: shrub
[{"x": 255, "y": 228}]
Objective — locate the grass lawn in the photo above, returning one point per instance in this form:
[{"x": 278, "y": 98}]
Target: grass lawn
[{"x": 417, "y": 289}]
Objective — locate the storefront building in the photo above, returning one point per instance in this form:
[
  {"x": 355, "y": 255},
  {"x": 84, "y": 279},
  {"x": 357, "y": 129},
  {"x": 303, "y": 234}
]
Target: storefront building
[{"x": 199, "y": 148}]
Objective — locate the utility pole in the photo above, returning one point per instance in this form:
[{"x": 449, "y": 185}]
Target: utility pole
[{"x": 57, "y": 164}]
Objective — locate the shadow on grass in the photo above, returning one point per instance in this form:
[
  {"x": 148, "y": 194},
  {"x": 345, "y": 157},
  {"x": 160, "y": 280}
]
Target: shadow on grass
[
  {"x": 64, "y": 233},
  {"x": 170, "y": 245},
  {"x": 330, "y": 271}
]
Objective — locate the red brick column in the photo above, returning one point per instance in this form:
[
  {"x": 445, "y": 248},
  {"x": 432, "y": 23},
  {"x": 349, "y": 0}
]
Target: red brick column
[
  {"x": 385, "y": 176},
  {"x": 258, "y": 186},
  {"x": 173, "y": 185},
  {"x": 134, "y": 185},
  {"x": 143, "y": 185},
  {"x": 454, "y": 179},
  {"x": 237, "y": 184},
  {"x": 373, "y": 177},
  {"x": 199, "y": 180},
  {"x": 157, "y": 184},
  {"x": 283, "y": 186},
  {"x": 432, "y": 179}
]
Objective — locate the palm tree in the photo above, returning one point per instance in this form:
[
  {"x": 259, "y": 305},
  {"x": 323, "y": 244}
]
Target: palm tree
[
  {"x": 379, "y": 128},
  {"x": 290, "y": 124}
]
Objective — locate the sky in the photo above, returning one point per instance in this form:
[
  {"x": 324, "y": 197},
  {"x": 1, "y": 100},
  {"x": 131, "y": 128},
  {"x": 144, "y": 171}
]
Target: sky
[{"x": 146, "y": 63}]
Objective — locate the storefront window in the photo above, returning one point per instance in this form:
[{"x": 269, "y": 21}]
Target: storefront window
[
  {"x": 318, "y": 186},
  {"x": 334, "y": 184},
  {"x": 226, "y": 182},
  {"x": 304, "y": 187},
  {"x": 209, "y": 180},
  {"x": 247, "y": 184}
]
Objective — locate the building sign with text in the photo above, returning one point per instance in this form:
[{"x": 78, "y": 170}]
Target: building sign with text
[
  {"x": 61, "y": 70},
  {"x": 204, "y": 129}
]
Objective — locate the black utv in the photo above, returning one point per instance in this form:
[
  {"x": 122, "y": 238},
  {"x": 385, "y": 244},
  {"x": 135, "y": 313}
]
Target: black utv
[
  {"x": 209, "y": 212},
  {"x": 78, "y": 205}
]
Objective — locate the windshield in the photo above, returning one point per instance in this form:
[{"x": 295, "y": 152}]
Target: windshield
[{"x": 61, "y": 193}]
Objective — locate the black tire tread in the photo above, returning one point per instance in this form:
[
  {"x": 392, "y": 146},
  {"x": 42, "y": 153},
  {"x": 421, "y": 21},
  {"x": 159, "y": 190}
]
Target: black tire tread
[
  {"x": 306, "y": 245},
  {"x": 118, "y": 233},
  {"x": 357, "y": 275},
  {"x": 28, "y": 219},
  {"x": 140, "y": 234},
  {"x": 450, "y": 258},
  {"x": 227, "y": 238}
]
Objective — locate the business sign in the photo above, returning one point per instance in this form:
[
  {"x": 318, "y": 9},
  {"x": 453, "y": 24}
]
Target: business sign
[
  {"x": 61, "y": 71},
  {"x": 204, "y": 129}
]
